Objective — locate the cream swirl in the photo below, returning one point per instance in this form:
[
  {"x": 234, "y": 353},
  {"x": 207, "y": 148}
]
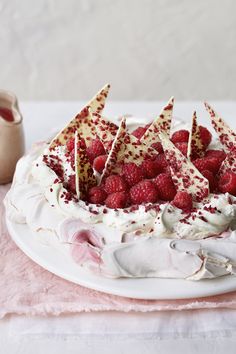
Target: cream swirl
[{"x": 211, "y": 218}]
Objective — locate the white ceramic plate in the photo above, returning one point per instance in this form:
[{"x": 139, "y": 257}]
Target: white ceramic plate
[{"x": 56, "y": 259}]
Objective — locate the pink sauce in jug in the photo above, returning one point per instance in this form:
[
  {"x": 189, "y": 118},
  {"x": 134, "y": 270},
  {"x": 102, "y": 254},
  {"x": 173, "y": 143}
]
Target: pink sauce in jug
[{"x": 6, "y": 114}]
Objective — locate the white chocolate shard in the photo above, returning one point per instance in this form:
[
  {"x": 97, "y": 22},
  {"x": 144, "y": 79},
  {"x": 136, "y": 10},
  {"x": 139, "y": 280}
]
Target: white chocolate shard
[
  {"x": 185, "y": 175},
  {"x": 84, "y": 174},
  {"x": 161, "y": 123},
  {"x": 105, "y": 129},
  {"x": 226, "y": 135},
  {"x": 195, "y": 145},
  {"x": 76, "y": 166},
  {"x": 229, "y": 163},
  {"x": 82, "y": 121}
]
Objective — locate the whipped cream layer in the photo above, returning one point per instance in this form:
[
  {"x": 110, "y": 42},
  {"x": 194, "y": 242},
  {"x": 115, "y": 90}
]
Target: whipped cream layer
[
  {"x": 130, "y": 243},
  {"x": 211, "y": 218}
]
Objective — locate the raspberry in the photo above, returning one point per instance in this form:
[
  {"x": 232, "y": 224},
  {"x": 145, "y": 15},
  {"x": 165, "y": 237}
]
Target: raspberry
[
  {"x": 144, "y": 192},
  {"x": 95, "y": 149},
  {"x": 161, "y": 163},
  {"x": 227, "y": 183},
  {"x": 116, "y": 200},
  {"x": 207, "y": 163},
  {"x": 158, "y": 147},
  {"x": 139, "y": 132},
  {"x": 183, "y": 147},
  {"x": 210, "y": 176},
  {"x": 71, "y": 184},
  {"x": 219, "y": 154},
  {"x": 183, "y": 201},
  {"x": 165, "y": 186},
  {"x": 132, "y": 173},
  {"x": 150, "y": 168},
  {"x": 181, "y": 136},
  {"x": 115, "y": 183},
  {"x": 205, "y": 136},
  {"x": 99, "y": 163},
  {"x": 97, "y": 195}
]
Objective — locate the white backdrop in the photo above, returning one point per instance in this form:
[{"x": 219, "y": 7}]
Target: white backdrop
[{"x": 147, "y": 49}]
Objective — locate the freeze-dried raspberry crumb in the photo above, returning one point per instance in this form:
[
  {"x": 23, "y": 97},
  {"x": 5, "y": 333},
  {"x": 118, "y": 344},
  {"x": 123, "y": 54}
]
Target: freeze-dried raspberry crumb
[
  {"x": 117, "y": 200},
  {"x": 205, "y": 136},
  {"x": 208, "y": 163},
  {"x": 95, "y": 149},
  {"x": 70, "y": 144},
  {"x": 183, "y": 201},
  {"x": 109, "y": 145},
  {"x": 183, "y": 147},
  {"x": 115, "y": 183},
  {"x": 180, "y": 136},
  {"x": 227, "y": 183},
  {"x": 55, "y": 163},
  {"x": 165, "y": 187},
  {"x": 144, "y": 192},
  {"x": 150, "y": 168},
  {"x": 97, "y": 195},
  {"x": 132, "y": 173},
  {"x": 219, "y": 154},
  {"x": 81, "y": 143},
  {"x": 211, "y": 179},
  {"x": 99, "y": 163},
  {"x": 158, "y": 147}
]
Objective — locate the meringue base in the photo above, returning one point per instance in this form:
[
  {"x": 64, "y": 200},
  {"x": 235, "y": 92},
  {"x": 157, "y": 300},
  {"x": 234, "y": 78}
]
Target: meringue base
[{"x": 45, "y": 250}]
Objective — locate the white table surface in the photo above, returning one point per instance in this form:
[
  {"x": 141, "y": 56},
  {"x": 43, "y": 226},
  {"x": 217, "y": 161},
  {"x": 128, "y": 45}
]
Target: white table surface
[{"x": 199, "y": 331}]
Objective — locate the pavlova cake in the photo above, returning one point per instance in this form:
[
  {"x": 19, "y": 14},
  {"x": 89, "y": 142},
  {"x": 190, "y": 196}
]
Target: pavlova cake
[{"x": 143, "y": 203}]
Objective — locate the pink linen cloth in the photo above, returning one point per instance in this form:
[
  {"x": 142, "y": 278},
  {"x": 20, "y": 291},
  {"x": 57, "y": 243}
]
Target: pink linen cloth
[{"x": 26, "y": 288}]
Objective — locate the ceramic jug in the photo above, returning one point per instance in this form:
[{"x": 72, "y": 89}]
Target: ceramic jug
[{"x": 12, "y": 144}]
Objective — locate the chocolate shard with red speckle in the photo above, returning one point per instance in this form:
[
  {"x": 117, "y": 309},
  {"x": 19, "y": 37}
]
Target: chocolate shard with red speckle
[
  {"x": 84, "y": 174},
  {"x": 125, "y": 148},
  {"x": 195, "y": 145},
  {"x": 226, "y": 135},
  {"x": 161, "y": 123},
  {"x": 185, "y": 175},
  {"x": 105, "y": 129},
  {"x": 82, "y": 121},
  {"x": 229, "y": 163}
]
